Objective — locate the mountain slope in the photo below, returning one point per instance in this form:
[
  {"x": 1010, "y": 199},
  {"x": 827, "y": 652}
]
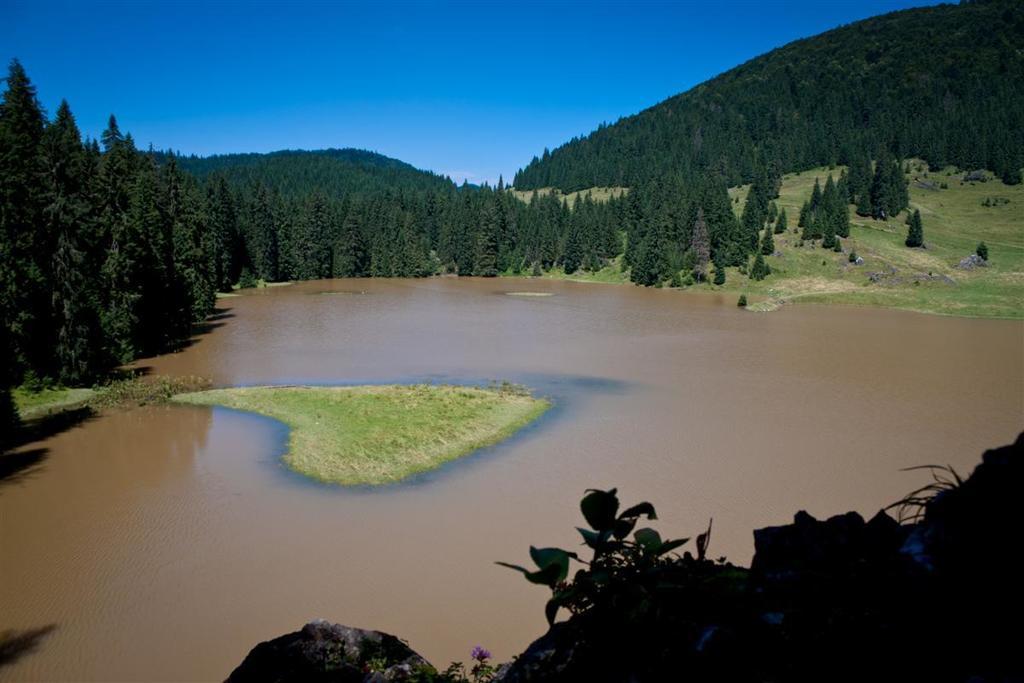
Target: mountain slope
[
  {"x": 296, "y": 173},
  {"x": 943, "y": 83}
]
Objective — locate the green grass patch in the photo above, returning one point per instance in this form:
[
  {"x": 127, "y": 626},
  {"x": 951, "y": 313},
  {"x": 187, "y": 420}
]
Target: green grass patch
[
  {"x": 955, "y": 217},
  {"x": 371, "y": 435},
  {"x": 598, "y": 194},
  {"x": 33, "y": 404}
]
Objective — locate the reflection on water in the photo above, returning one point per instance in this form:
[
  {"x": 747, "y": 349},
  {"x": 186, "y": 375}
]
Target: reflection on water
[{"x": 162, "y": 543}]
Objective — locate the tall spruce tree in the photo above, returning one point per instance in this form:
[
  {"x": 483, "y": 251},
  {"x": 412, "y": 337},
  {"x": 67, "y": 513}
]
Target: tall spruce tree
[
  {"x": 350, "y": 256},
  {"x": 781, "y": 224},
  {"x": 486, "y": 261},
  {"x": 24, "y": 248},
  {"x": 767, "y": 242},
  {"x": 68, "y": 217},
  {"x": 915, "y": 231},
  {"x": 701, "y": 246}
]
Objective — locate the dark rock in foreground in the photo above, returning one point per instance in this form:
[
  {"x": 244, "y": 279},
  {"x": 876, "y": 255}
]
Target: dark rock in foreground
[{"x": 323, "y": 652}]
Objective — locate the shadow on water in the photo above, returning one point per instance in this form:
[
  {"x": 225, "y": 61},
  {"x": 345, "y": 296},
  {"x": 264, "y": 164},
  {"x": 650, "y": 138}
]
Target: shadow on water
[
  {"x": 46, "y": 426},
  {"x": 212, "y": 322},
  {"x": 16, "y": 644},
  {"x": 22, "y": 465}
]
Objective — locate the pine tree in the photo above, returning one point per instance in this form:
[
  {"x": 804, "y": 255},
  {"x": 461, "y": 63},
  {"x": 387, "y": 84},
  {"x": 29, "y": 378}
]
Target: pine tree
[
  {"x": 782, "y": 224},
  {"x": 122, "y": 249},
  {"x": 572, "y": 256},
  {"x": 24, "y": 248},
  {"x": 350, "y": 256},
  {"x": 759, "y": 270},
  {"x": 486, "y": 260},
  {"x": 767, "y": 242},
  {"x": 229, "y": 251},
  {"x": 701, "y": 246},
  {"x": 68, "y": 216},
  {"x": 982, "y": 251},
  {"x": 719, "y": 274},
  {"x": 915, "y": 233},
  {"x": 262, "y": 240}
]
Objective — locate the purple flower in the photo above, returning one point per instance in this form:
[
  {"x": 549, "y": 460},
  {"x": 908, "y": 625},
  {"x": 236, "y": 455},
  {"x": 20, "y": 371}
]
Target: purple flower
[{"x": 480, "y": 654}]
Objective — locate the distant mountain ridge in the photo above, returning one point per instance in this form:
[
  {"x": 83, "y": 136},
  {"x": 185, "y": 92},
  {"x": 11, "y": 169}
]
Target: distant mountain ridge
[
  {"x": 337, "y": 172},
  {"x": 825, "y": 99}
]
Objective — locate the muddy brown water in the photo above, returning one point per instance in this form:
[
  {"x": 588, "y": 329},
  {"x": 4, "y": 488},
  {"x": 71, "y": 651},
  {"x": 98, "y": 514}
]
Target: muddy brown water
[{"x": 164, "y": 542}]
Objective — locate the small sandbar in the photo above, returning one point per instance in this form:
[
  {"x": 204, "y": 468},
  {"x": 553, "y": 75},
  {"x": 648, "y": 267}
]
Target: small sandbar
[{"x": 529, "y": 294}]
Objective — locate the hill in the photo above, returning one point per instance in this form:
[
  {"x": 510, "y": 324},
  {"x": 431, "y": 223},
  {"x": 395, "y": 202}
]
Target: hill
[
  {"x": 297, "y": 173},
  {"x": 942, "y": 83}
]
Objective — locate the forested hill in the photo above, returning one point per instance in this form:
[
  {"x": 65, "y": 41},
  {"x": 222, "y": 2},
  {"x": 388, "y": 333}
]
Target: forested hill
[
  {"x": 941, "y": 83},
  {"x": 296, "y": 173}
]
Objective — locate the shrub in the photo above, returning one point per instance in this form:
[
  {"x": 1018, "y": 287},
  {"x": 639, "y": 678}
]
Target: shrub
[
  {"x": 742, "y": 302},
  {"x": 982, "y": 251}
]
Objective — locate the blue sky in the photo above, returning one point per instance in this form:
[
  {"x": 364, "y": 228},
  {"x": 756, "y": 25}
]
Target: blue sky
[{"x": 471, "y": 90}]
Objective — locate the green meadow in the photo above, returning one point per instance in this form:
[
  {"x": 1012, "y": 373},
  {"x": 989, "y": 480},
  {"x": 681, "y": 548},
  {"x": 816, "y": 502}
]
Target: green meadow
[{"x": 371, "y": 435}]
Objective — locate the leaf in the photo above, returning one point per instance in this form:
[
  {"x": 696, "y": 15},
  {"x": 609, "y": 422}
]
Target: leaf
[
  {"x": 545, "y": 557},
  {"x": 649, "y": 539},
  {"x": 645, "y": 509},
  {"x": 594, "y": 539},
  {"x": 549, "y": 576},
  {"x": 623, "y": 525},
  {"x": 599, "y": 508},
  {"x": 551, "y": 610},
  {"x": 703, "y": 540},
  {"x": 669, "y": 546}
]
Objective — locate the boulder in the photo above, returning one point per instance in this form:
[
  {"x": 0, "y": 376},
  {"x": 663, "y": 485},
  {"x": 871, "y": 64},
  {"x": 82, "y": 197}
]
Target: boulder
[
  {"x": 971, "y": 262},
  {"x": 323, "y": 652}
]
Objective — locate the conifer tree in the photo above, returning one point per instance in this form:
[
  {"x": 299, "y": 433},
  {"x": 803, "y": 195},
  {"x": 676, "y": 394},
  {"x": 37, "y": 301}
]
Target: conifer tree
[
  {"x": 68, "y": 215},
  {"x": 486, "y": 261},
  {"x": 759, "y": 270},
  {"x": 915, "y": 232},
  {"x": 350, "y": 256},
  {"x": 262, "y": 240},
  {"x": 701, "y": 246},
  {"x": 719, "y": 274},
  {"x": 24, "y": 248},
  {"x": 767, "y": 242},
  {"x": 782, "y": 224}
]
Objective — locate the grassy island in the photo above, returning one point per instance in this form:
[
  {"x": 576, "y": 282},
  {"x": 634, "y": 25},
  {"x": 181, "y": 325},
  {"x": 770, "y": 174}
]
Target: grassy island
[{"x": 381, "y": 434}]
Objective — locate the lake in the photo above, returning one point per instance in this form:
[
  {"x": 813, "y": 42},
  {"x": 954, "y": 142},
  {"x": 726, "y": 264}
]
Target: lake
[{"x": 164, "y": 542}]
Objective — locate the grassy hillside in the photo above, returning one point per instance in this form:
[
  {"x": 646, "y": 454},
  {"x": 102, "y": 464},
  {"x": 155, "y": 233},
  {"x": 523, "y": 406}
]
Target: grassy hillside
[
  {"x": 598, "y": 194},
  {"x": 955, "y": 220}
]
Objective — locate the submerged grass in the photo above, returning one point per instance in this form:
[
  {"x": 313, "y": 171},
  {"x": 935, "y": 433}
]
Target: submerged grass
[
  {"x": 371, "y": 435},
  {"x": 126, "y": 392}
]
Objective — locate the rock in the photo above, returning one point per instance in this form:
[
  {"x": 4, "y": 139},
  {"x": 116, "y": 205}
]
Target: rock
[
  {"x": 323, "y": 652},
  {"x": 858, "y": 261},
  {"x": 975, "y": 176},
  {"x": 971, "y": 262},
  {"x": 838, "y": 546}
]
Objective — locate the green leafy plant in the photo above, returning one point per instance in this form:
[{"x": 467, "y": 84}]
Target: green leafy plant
[{"x": 624, "y": 560}]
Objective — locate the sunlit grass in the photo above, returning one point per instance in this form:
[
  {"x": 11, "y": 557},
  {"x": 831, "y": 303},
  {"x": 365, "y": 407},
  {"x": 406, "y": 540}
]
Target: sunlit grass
[
  {"x": 381, "y": 434},
  {"x": 955, "y": 220}
]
